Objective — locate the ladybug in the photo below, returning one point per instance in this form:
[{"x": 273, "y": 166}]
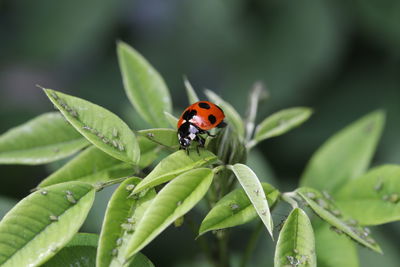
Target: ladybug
[{"x": 197, "y": 119}]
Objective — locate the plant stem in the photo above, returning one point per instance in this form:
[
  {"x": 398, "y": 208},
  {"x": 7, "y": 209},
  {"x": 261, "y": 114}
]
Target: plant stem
[
  {"x": 289, "y": 198},
  {"x": 251, "y": 144},
  {"x": 223, "y": 249},
  {"x": 254, "y": 98},
  {"x": 251, "y": 244},
  {"x": 101, "y": 186}
]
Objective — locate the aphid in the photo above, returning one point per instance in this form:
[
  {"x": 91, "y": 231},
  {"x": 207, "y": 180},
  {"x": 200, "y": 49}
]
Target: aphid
[
  {"x": 115, "y": 132},
  {"x": 326, "y": 195},
  {"x": 121, "y": 147},
  {"x": 44, "y": 192},
  {"x": 378, "y": 186},
  {"x": 54, "y": 95},
  {"x": 118, "y": 242},
  {"x": 130, "y": 187},
  {"x": 74, "y": 113},
  {"x": 352, "y": 222},
  {"x": 337, "y": 213},
  {"x": 322, "y": 203},
  {"x": 115, "y": 143},
  {"x": 114, "y": 252},
  {"x": 131, "y": 220},
  {"x": 71, "y": 199},
  {"x": 311, "y": 195},
  {"x": 53, "y": 218},
  {"x": 197, "y": 119},
  {"x": 394, "y": 198},
  {"x": 264, "y": 213},
  {"x": 127, "y": 227},
  {"x": 336, "y": 230},
  {"x": 234, "y": 206}
]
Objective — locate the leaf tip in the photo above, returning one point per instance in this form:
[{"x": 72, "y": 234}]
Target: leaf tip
[{"x": 40, "y": 87}]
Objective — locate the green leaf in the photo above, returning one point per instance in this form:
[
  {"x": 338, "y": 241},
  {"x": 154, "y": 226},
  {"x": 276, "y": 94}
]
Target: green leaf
[
  {"x": 235, "y": 209},
  {"x": 80, "y": 251},
  {"x": 191, "y": 93},
  {"x": 296, "y": 245},
  {"x": 172, "y": 202},
  {"x": 149, "y": 151},
  {"x": 174, "y": 165},
  {"x": 43, "y": 139},
  {"x": 144, "y": 86},
  {"x": 254, "y": 190},
  {"x": 91, "y": 166},
  {"x": 84, "y": 239},
  {"x": 42, "y": 223},
  {"x": 373, "y": 198},
  {"x": 162, "y": 136},
  {"x": 334, "y": 250},
  {"x": 172, "y": 120},
  {"x": 326, "y": 209},
  {"x": 345, "y": 155},
  {"x": 281, "y": 122},
  {"x": 101, "y": 127},
  {"x": 231, "y": 114},
  {"x": 122, "y": 216}
]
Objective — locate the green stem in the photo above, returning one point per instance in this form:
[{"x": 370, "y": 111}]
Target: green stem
[
  {"x": 223, "y": 249},
  {"x": 251, "y": 244},
  {"x": 289, "y": 198},
  {"x": 101, "y": 186},
  {"x": 254, "y": 98},
  {"x": 252, "y": 143}
]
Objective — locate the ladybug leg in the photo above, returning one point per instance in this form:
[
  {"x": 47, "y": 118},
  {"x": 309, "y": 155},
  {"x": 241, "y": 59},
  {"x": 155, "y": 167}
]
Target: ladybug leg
[
  {"x": 206, "y": 132},
  {"x": 211, "y": 135},
  {"x": 201, "y": 142},
  {"x": 222, "y": 124}
]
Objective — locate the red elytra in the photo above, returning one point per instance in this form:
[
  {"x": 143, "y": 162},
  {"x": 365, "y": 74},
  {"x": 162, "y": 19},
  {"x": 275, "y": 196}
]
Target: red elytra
[
  {"x": 197, "y": 119},
  {"x": 203, "y": 114}
]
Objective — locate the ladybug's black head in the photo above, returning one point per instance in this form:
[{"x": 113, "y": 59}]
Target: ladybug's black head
[{"x": 187, "y": 132}]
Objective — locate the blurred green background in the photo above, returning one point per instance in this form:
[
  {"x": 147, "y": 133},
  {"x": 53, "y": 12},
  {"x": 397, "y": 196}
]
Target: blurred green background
[{"x": 341, "y": 58}]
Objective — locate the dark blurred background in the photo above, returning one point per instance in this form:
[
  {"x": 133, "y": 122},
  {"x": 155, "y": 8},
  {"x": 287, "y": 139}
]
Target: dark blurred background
[{"x": 341, "y": 58}]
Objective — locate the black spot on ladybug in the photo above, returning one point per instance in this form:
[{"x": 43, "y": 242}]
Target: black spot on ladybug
[
  {"x": 212, "y": 119},
  {"x": 189, "y": 114},
  {"x": 204, "y": 105}
]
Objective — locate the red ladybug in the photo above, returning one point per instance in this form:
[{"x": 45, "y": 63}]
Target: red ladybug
[{"x": 197, "y": 119}]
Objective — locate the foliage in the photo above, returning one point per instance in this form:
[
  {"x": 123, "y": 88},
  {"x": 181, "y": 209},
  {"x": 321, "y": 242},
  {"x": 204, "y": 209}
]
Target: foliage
[{"x": 154, "y": 194}]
